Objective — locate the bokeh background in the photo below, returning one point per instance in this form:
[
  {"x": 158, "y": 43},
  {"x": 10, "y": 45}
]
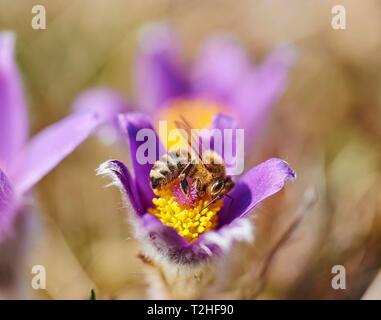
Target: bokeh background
[{"x": 327, "y": 126}]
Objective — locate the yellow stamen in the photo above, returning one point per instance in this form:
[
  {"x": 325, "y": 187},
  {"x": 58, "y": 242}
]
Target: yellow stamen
[{"x": 189, "y": 222}]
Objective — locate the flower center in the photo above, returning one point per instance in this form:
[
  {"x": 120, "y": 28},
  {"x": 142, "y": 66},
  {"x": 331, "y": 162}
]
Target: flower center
[
  {"x": 185, "y": 213},
  {"x": 199, "y": 112}
]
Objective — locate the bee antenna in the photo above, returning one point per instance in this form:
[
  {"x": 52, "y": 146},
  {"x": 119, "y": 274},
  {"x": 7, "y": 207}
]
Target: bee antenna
[
  {"x": 211, "y": 202},
  {"x": 217, "y": 198}
]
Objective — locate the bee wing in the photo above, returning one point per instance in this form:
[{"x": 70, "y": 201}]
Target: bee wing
[{"x": 191, "y": 137}]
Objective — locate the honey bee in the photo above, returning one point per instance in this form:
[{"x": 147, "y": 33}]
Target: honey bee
[{"x": 206, "y": 173}]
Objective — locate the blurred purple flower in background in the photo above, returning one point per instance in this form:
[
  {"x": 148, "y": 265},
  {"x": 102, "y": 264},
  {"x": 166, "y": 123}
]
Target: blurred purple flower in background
[
  {"x": 23, "y": 163},
  {"x": 221, "y": 80},
  {"x": 252, "y": 188}
]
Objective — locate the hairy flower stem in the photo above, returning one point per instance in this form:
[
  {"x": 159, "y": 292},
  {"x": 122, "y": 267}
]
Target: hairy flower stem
[{"x": 168, "y": 280}]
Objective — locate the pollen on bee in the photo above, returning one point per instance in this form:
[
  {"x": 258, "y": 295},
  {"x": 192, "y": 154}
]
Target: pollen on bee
[{"x": 188, "y": 218}]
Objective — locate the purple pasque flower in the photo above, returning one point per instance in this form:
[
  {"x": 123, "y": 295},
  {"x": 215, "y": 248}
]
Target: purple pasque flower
[
  {"x": 23, "y": 163},
  {"x": 222, "y": 79},
  {"x": 251, "y": 189}
]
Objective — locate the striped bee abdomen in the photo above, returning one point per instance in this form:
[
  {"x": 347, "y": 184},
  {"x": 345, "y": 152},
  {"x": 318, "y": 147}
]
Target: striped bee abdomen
[{"x": 168, "y": 168}]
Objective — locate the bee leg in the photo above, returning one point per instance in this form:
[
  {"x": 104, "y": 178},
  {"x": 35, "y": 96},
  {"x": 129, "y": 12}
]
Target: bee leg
[
  {"x": 183, "y": 177},
  {"x": 199, "y": 187},
  {"x": 186, "y": 171},
  {"x": 184, "y": 186}
]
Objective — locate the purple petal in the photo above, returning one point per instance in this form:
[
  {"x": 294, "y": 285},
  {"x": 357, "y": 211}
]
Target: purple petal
[
  {"x": 159, "y": 70},
  {"x": 239, "y": 230},
  {"x": 7, "y": 205},
  {"x": 260, "y": 90},
  {"x": 13, "y": 114},
  {"x": 52, "y": 145},
  {"x": 105, "y": 102},
  {"x": 253, "y": 187},
  {"x": 122, "y": 179},
  {"x": 170, "y": 244},
  {"x": 132, "y": 123},
  {"x": 223, "y": 123},
  {"x": 174, "y": 247},
  {"x": 157, "y": 231},
  {"x": 221, "y": 65}
]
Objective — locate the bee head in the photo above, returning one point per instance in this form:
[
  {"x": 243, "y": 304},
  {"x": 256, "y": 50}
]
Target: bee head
[{"x": 221, "y": 187}]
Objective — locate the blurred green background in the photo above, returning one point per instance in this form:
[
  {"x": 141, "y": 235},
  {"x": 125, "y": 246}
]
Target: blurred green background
[{"x": 327, "y": 126}]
